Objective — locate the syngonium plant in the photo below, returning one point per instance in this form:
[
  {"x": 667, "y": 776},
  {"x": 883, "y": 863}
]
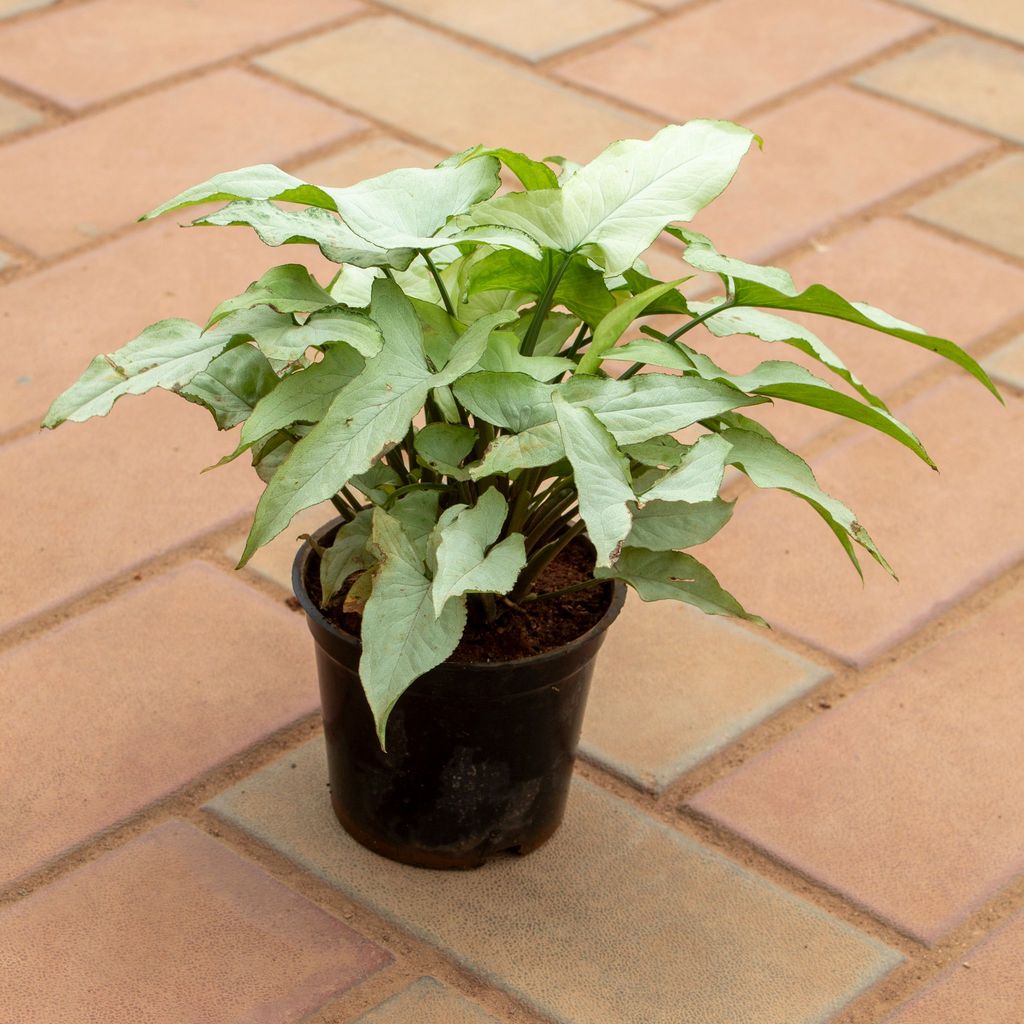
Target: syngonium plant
[{"x": 457, "y": 389}]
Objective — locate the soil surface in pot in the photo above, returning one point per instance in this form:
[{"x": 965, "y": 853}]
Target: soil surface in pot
[{"x": 535, "y": 628}]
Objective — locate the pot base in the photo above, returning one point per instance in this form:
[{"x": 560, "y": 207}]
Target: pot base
[{"x": 417, "y": 857}]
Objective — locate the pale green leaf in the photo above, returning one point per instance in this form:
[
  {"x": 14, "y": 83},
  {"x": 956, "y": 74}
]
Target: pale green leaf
[
  {"x": 674, "y": 576},
  {"x": 401, "y": 637},
  {"x": 663, "y": 450},
  {"x": 701, "y": 254},
  {"x": 614, "y": 207},
  {"x": 531, "y": 173},
  {"x": 556, "y": 329},
  {"x": 262, "y": 181},
  {"x": 465, "y": 558},
  {"x": 503, "y": 356},
  {"x": 232, "y": 385},
  {"x": 513, "y": 401},
  {"x": 348, "y": 553},
  {"x": 288, "y": 289},
  {"x": 443, "y": 446},
  {"x": 601, "y": 475},
  {"x": 671, "y": 525},
  {"x": 698, "y": 476}
]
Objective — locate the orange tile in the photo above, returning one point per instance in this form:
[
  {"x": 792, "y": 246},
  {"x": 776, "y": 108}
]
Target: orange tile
[
  {"x": 84, "y": 179},
  {"x": 109, "y": 47},
  {"x": 906, "y": 798},
  {"x": 174, "y": 927}
]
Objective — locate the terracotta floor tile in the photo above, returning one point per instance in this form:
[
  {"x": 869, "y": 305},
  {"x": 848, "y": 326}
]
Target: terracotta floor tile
[
  {"x": 545, "y": 118},
  {"x": 904, "y": 798},
  {"x": 985, "y": 986},
  {"x": 367, "y": 159},
  {"x": 96, "y": 498},
  {"x": 978, "y": 83},
  {"x": 1007, "y": 363},
  {"x": 673, "y": 685},
  {"x": 15, "y": 116},
  {"x": 112, "y": 46},
  {"x": 999, "y": 17},
  {"x": 759, "y": 53},
  {"x": 174, "y": 928},
  {"x": 944, "y": 533},
  {"x": 98, "y": 300},
  {"x": 129, "y": 158},
  {"x": 982, "y": 206},
  {"x": 796, "y": 188},
  {"x": 131, "y": 683},
  {"x": 617, "y": 918},
  {"x": 532, "y": 29},
  {"x": 426, "y": 1001}
]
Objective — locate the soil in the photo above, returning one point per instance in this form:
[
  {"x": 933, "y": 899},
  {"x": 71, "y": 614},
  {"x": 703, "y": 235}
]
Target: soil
[{"x": 521, "y": 632}]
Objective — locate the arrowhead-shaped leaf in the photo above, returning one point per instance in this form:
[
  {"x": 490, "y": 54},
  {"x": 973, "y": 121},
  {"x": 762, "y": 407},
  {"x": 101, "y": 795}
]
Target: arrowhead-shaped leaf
[
  {"x": 402, "y": 638},
  {"x": 698, "y": 476},
  {"x": 466, "y": 560},
  {"x": 532, "y": 173},
  {"x": 601, "y": 475},
  {"x": 232, "y": 385},
  {"x": 671, "y": 525},
  {"x": 288, "y": 289},
  {"x": 674, "y": 576},
  {"x": 615, "y": 206}
]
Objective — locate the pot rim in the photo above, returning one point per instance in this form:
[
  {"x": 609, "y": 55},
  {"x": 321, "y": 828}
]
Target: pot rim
[{"x": 314, "y": 613}]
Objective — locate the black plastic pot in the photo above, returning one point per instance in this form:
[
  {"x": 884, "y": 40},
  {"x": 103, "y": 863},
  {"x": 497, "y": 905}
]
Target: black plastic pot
[{"x": 479, "y": 756}]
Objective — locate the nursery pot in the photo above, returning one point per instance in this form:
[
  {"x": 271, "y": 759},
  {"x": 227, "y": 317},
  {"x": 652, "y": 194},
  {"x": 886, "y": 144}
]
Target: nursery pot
[{"x": 479, "y": 755}]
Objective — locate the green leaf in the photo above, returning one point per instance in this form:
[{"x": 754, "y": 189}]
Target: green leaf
[
  {"x": 401, "y": 637},
  {"x": 825, "y": 302},
  {"x": 601, "y": 474},
  {"x": 467, "y": 562},
  {"x": 615, "y": 206},
  {"x": 671, "y": 525},
  {"x": 532, "y": 173},
  {"x": 443, "y": 446},
  {"x": 671, "y": 302},
  {"x": 701, "y": 254},
  {"x": 288, "y": 289},
  {"x": 167, "y": 354},
  {"x": 615, "y": 324},
  {"x": 232, "y": 385},
  {"x": 378, "y": 483},
  {"x": 503, "y": 356},
  {"x": 416, "y": 510},
  {"x": 348, "y": 553},
  {"x": 513, "y": 401},
  {"x": 556, "y": 329},
  {"x": 698, "y": 476},
  {"x": 306, "y": 395},
  {"x": 768, "y": 327},
  {"x": 262, "y": 181},
  {"x": 769, "y": 464},
  {"x": 368, "y": 414},
  {"x": 471, "y": 346},
  {"x": 664, "y": 450},
  {"x": 674, "y": 576},
  {"x": 335, "y": 239}
]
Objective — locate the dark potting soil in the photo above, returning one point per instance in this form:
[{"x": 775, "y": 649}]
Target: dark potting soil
[{"x": 534, "y": 628}]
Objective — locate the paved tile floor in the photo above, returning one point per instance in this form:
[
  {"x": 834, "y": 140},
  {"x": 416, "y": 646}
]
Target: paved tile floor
[{"x": 817, "y": 824}]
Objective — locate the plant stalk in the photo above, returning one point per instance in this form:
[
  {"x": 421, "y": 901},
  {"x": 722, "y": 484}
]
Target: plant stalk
[{"x": 435, "y": 274}]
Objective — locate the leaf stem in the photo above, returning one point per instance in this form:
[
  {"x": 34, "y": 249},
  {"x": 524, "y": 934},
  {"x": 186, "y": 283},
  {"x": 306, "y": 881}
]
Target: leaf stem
[
  {"x": 543, "y": 306},
  {"x": 540, "y": 561},
  {"x": 697, "y": 320},
  {"x": 572, "y": 589},
  {"x": 445, "y": 297},
  {"x": 342, "y": 506}
]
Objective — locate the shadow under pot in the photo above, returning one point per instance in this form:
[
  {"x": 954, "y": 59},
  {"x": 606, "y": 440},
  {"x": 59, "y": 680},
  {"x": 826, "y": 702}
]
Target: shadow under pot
[{"x": 479, "y": 755}]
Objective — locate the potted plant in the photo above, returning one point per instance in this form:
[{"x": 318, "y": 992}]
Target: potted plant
[{"x": 501, "y": 452}]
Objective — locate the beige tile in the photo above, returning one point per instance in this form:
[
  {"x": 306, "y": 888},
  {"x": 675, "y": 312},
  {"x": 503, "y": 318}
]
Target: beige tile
[
  {"x": 16, "y": 116},
  {"x": 673, "y": 685},
  {"x": 978, "y": 83},
  {"x": 189, "y": 654},
  {"x": 366, "y": 159},
  {"x": 95, "y": 499},
  {"x": 985, "y": 985},
  {"x": 426, "y": 1001},
  {"x": 905, "y": 797},
  {"x": 174, "y": 928},
  {"x": 108, "y": 47},
  {"x": 944, "y": 533},
  {"x": 984, "y": 206},
  {"x": 759, "y": 53},
  {"x": 477, "y": 98},
  {"x": 532, "y": 29},
  {"x": 802, "y": 183},
  {"x": 84, "y": 179},
  {"x": 12, "y": 7},
  {"x": 617, "y": 918},
  {"x": 1007, "y": 363},
  {"x": 999, "y": 17},
  {"x": 157, "y": 270}
]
